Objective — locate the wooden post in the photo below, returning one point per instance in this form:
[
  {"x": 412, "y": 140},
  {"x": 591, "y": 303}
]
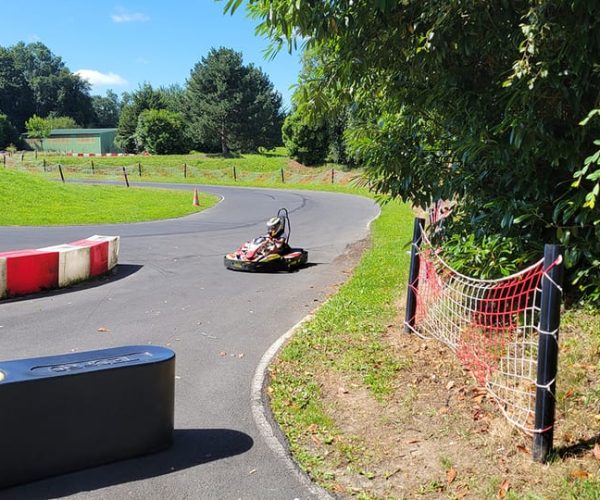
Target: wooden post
[
  {"x": 44, "y": 164},
  {"x": 282, "y": 177},
  {"x": 125, "y": 175},
  {"x": 332, "y": 175},
  {"x": 92, "y": 162},
  {"x": 35, "y": 153},
  {"x": 139, "y": 168},
  {"x": 185, "y": 170},
  {"x": 413, "y": 276},
  {"x": 545, "y": 400},
  {"x": 61, "y": 173}
]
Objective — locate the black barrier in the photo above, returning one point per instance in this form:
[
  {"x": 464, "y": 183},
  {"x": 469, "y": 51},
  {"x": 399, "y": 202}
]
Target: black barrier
[{"x": 63, "y": 413}]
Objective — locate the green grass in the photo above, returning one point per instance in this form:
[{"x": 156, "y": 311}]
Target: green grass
[
  {"x": 32, "y": 200},
  {"x": 344, "y": 336}
]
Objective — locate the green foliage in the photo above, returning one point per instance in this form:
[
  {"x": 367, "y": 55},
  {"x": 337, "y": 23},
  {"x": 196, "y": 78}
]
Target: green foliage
[
  {"x": 62, "y": 122},
  {"x": 461, "y": 100},
  {"x": 16, "y": 98},
  {"x": 232, "y": 106},
  {"x": 38, "y": 127},
  {"x": 8, "y": 133},
  {"x": 160, "y": 131},
  {"x": 55, "y": 90},
  {"x": 106, "y": 110},
  {"x": 305, "y": 142},
  {"x": 133, "y": 105}
]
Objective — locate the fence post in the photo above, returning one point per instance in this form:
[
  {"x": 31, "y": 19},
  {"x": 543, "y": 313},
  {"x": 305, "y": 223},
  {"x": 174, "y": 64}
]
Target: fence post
[
  {"x": 125, "y": 175},
  {"x": 332, "y": 175},
  {"x": 234, "y": 174},
  {"x": 545, "y": 402},
  {"x": 282, "y": 177},
  {"x": 61, "y": 173},
  {"x": 413, "y": 275},
  {"x": 185, "y": 170},
  {"x": 22, "y": 156},
  {"x": 44, "y": 164},
  {"x": 4, "y": 159},
  {"x": 92, "y": 162},
  {"x": 35, "y": 153},
  {"x": 139, "y": 168}
]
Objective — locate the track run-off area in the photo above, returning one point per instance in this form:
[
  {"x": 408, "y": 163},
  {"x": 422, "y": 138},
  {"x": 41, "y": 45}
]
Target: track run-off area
[{"x": 171, "y": 289}]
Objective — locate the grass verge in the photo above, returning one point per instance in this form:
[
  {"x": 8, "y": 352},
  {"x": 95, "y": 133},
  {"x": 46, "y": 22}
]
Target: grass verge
[
  {"x": 31, "y": 200},
  {"x": 370, "y": 412}
]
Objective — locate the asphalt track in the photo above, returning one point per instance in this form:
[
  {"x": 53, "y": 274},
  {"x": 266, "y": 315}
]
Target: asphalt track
[{"x": 171, "y": 289}]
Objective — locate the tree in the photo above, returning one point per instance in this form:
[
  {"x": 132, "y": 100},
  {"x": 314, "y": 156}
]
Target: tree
[
  {"x": 8, "y": 133},
  {"x": 133, "y": 105},
  {"x": 232, "y": 105},
  {"x": 160, "y": 131},
  {"x": 16, "y": 98},
  {"x": 304, "y": 141},
  {"x": 56, "y": 91},
  {"x": 38, "y": 127},
  {"x": 468, "y": 101},
  {"x": 106, "y": 110}
]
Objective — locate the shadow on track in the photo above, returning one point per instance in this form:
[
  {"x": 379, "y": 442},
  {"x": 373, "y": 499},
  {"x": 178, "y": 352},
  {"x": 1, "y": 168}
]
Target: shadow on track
[
  {"x": 118, "y": 273},
  {"x": 191, "y": 447}
]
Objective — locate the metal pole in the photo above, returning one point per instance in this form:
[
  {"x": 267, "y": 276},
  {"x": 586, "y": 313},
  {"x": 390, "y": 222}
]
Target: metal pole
[
  {"x": 61, "y": 173},
  {"x": 125, "y": 174},
  {"x": 413, "y": 275},
  {"x": 545, "y": 401}
]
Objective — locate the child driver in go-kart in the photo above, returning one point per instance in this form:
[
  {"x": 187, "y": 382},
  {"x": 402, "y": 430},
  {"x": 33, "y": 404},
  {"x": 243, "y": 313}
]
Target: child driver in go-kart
[{"x": 276, "y": 230}]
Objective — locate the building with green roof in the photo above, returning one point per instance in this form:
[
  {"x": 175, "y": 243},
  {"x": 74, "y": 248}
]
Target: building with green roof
[{"x": 77, "y": 140}]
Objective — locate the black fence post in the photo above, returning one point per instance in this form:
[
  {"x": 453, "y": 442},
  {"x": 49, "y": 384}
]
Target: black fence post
[
  {"x": 282, "y": 177},
  {"x": 4, "y": 159},
  {"x": 139, "y": 168},
  {"x": 61, "y": 173},
  {"x": 332, "y": 175},
  {"x": 234, "y": 174},
  {"x": 44, "y": 164},
  {"x": 185, "y": 170},
  {"x": 92, "y": 162},
  {"x": 35, "y": 154},
  {"x": 125, "y": 175},
  {"x": 545, "y": 401},
  {"x": 413, "y": 276}
]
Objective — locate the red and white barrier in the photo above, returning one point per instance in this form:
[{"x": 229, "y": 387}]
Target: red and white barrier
[{"x": 30, "y": 271}]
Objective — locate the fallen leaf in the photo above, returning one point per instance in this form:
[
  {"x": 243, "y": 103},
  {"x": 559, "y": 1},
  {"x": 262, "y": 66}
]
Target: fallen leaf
[
  {"x": 504, "y": 487},
  {"x": 569, "y": 393},
  {"x": 451, "y": 475},
  {"x": 522, "y": 449},
  {"x": 103, "y": 329},
  {"x": 596, "y": 451},
  {"x": 579, "y": 474},
  {"x": 412, "y": 441},
  {"x": 312, "y": 428}
]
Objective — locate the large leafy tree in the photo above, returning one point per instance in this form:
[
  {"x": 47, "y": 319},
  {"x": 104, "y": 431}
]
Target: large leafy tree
[
  {"x": 56, "y": 91},
  {"x": 106, "y": 110},
  {"x": 470, "y": 101},
  {"x": 133, "y": 105},
  {"x": 8, "y": 133},
  {"x": 16, "y": 98},
  {"x": 232, "y": 106}
]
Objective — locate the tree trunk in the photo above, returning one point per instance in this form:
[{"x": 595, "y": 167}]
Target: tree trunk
[{"x": 224, "y": 146}]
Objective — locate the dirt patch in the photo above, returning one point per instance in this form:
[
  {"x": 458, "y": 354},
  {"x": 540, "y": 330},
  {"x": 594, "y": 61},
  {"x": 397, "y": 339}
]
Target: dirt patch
[{"x": 438, "y": 436}]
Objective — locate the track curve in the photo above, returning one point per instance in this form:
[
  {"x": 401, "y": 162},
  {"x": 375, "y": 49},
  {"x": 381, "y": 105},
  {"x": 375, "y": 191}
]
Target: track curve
[{"x": 172, "y": 289}]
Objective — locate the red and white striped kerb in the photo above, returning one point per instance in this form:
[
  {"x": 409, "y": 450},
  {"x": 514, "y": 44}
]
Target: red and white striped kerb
[{"x": 30, "y": 271}]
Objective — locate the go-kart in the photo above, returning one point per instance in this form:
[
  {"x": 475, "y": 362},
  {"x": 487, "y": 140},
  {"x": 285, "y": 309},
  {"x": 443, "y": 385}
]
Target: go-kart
[{"x": 270, "y": 252}]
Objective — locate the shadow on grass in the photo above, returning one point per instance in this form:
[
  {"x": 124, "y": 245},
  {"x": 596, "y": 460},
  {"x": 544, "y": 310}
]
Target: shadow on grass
[
  {"x": 578, "y": 449},
  {"x": 118, "y": 273},
  {"x": 191, "y": 447}
]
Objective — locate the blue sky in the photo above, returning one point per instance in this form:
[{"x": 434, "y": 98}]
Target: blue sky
[{"x": 118, "y": 45}]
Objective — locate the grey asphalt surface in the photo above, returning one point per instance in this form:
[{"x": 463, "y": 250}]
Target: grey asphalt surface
[{"x": 171, "y": 289}]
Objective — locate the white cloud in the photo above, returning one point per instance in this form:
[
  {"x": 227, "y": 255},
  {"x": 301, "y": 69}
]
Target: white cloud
[
  {"x": 98, "y": 78},
  {"x": 124, "y": 16}
]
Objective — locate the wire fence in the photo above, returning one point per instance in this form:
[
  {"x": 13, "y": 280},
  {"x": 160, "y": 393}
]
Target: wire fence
[{"x": 30, "y": 162}]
